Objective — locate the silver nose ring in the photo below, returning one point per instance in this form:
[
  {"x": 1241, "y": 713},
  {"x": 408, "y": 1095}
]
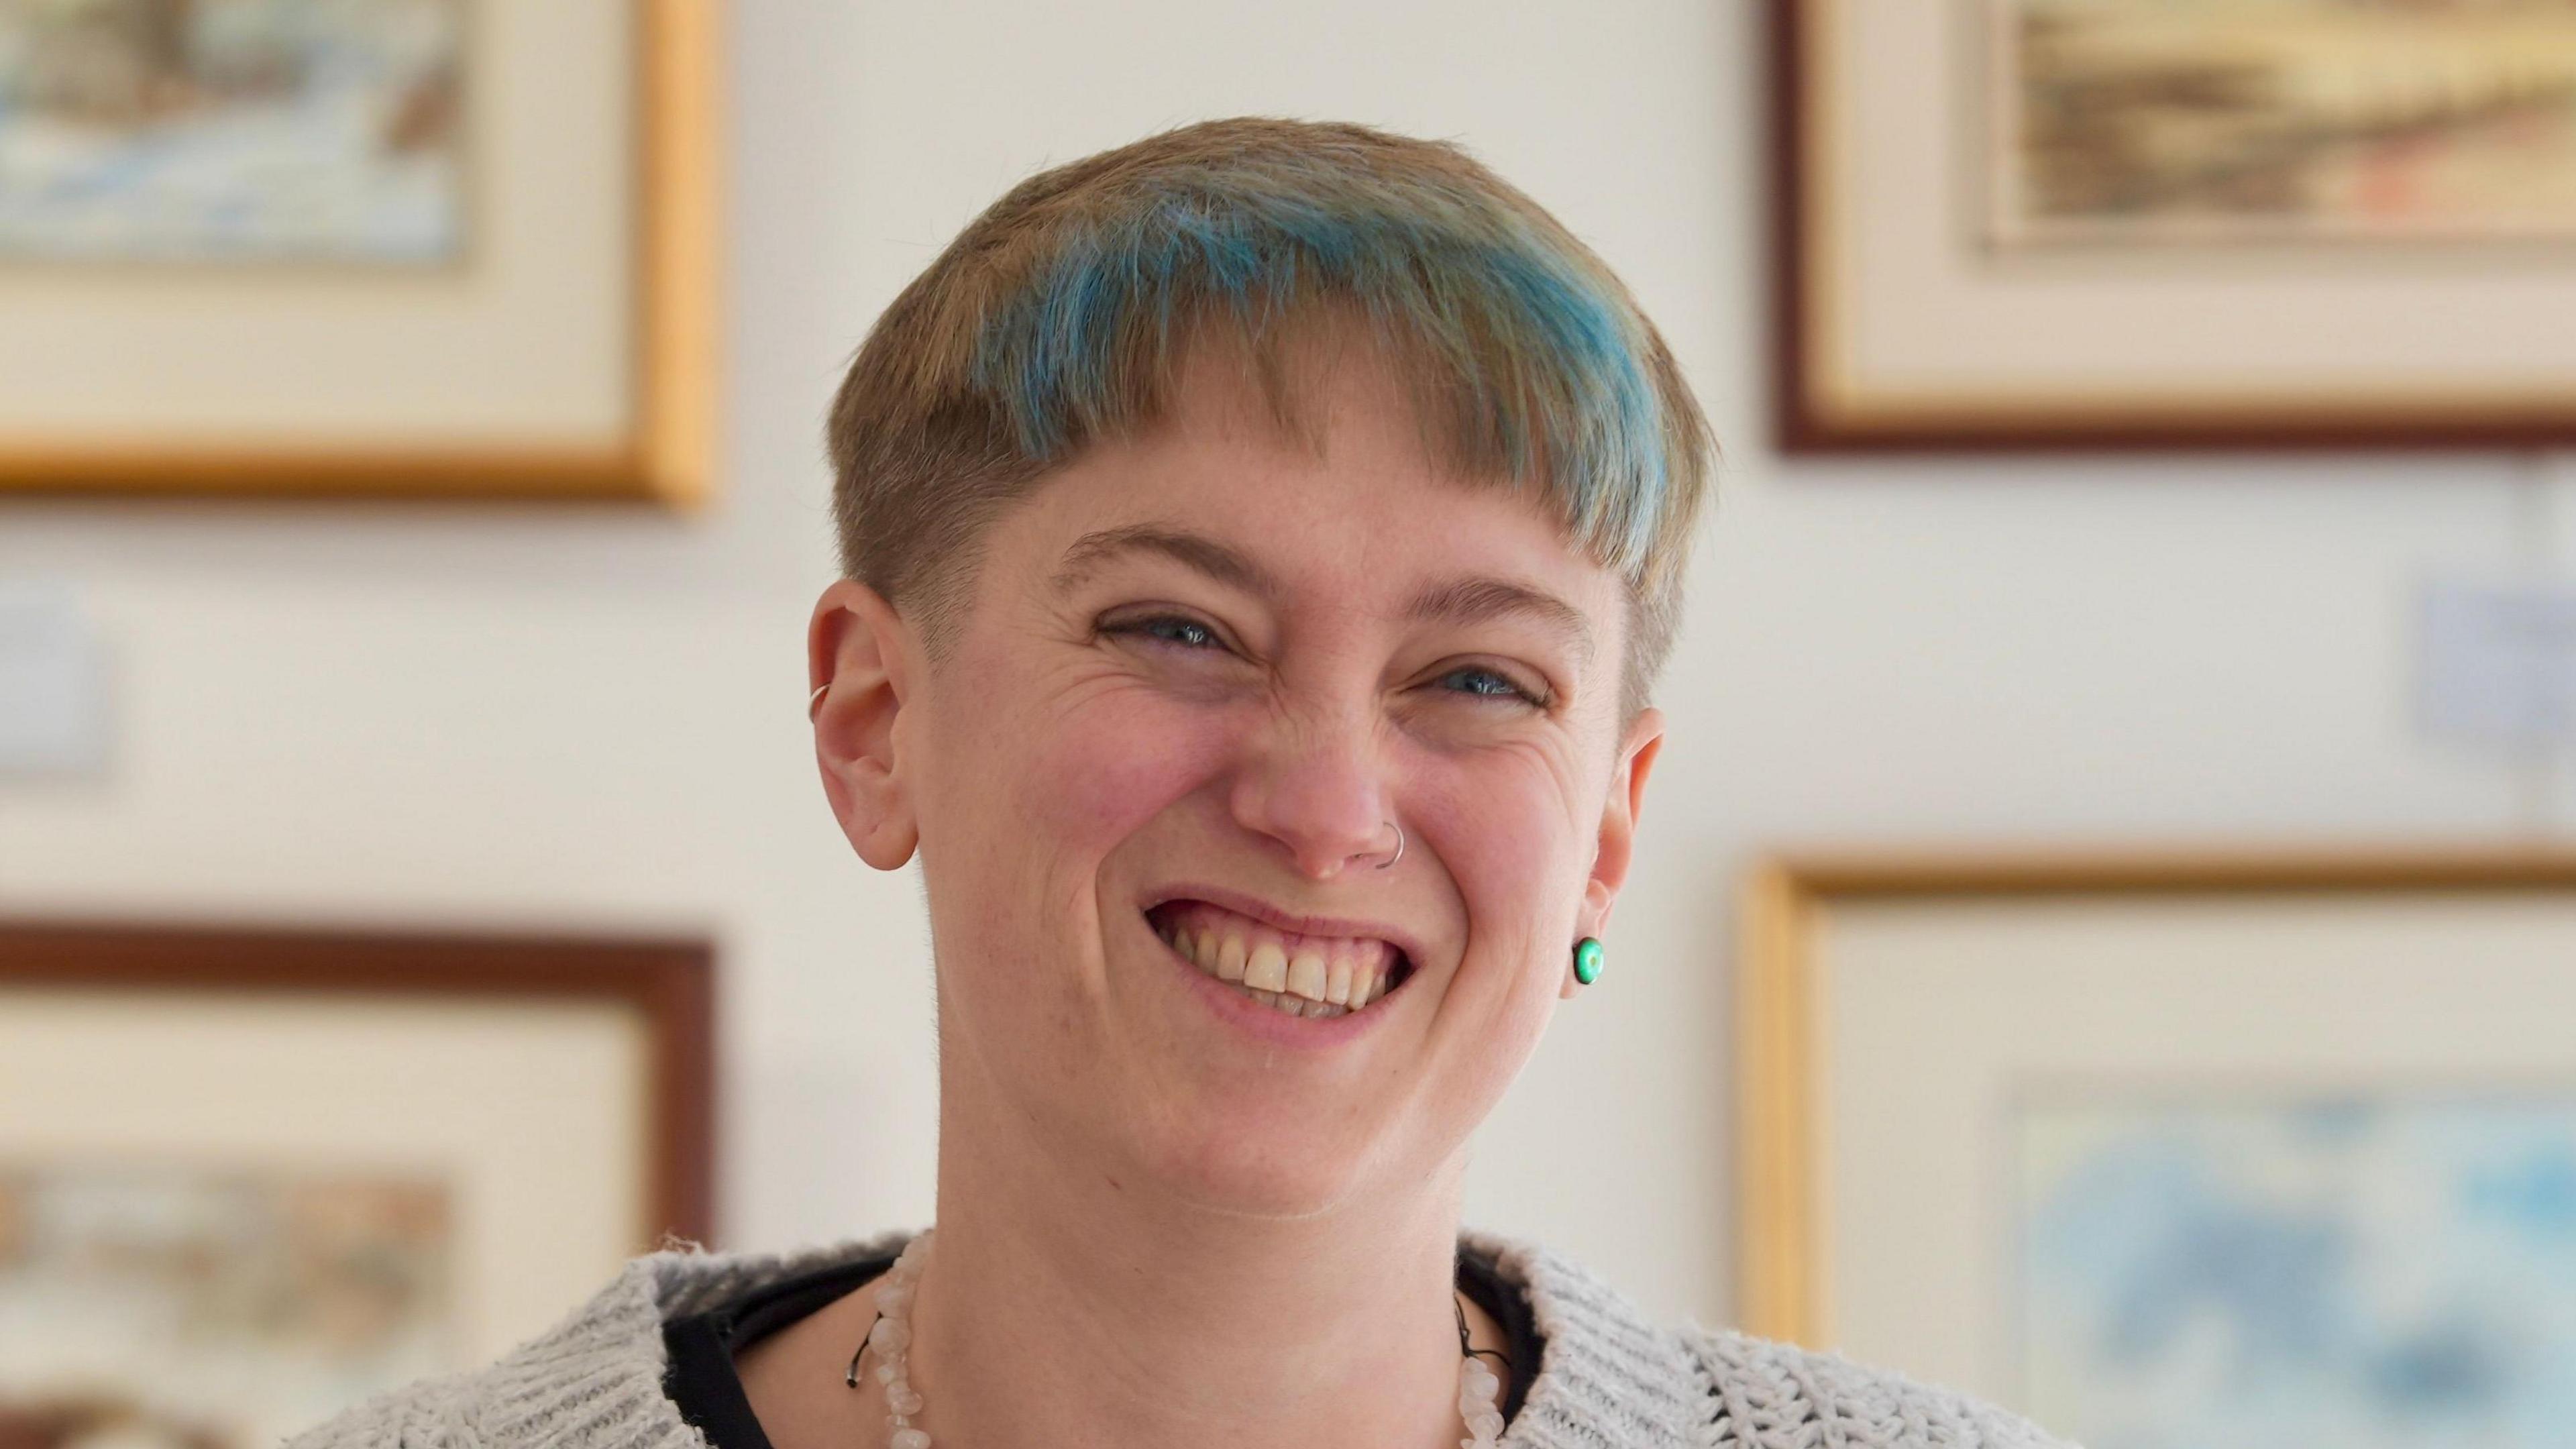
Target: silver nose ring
[{"x": 1390, "y": 861}]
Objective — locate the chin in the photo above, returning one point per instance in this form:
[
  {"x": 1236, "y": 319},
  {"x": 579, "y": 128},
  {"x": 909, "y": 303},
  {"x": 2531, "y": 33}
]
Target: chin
[{"x": 1232, "y": 1168}]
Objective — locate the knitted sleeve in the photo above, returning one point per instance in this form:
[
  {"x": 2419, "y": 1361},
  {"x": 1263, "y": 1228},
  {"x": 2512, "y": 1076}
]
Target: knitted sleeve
[
  {"x": 1766, "y": 1395},
  {"x": 430, "y": 1414},
  {"x": 593, "y": 1381}
]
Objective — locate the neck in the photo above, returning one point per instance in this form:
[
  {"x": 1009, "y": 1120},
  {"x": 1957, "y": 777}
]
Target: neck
[{"x": 1061, "y": 1306}]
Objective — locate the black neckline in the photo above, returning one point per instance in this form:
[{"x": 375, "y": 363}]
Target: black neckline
[{"x": 702, "y": 1381}]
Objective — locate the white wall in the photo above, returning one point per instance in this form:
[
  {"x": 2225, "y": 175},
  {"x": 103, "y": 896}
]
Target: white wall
[{"x": 574, "y": 717}]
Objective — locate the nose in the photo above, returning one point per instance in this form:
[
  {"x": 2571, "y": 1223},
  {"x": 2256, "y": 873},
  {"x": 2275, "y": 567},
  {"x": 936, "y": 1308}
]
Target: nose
[{"x": 1314, "y": 786}]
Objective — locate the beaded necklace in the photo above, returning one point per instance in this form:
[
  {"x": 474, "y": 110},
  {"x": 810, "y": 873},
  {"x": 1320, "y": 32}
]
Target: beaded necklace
[{"x": 1479, "y": 1390}]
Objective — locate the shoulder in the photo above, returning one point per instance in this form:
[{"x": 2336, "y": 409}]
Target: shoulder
[
  {"x": 593, "y": 1381},
  {"x": 1767, "y": 1393},
  {"x": 1608, "y": 1375}
]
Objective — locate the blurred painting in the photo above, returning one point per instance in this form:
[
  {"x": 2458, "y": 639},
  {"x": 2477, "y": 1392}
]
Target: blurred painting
[
  {"x": 232, "y": 130},
  {"x": 2245, "y": 1275},
  {"x": 163, "y": 1307},
  {"x": 2160, "y": 121}
]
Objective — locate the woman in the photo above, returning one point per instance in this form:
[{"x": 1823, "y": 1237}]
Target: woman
[{"x": 1260, "y": 541}]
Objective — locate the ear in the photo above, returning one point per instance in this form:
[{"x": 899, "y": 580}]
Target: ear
[
  {"x": 1617, "y": 844},
  {"x": 858, "y": 652}
]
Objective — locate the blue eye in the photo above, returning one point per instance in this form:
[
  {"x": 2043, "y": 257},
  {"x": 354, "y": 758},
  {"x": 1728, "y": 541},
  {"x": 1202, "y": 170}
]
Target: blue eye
[
  {"x": 1172, "y": 629},
  {"x": 1486, "y": 684}
]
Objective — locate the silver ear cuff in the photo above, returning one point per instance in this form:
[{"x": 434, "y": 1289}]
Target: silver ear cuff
[
  {"x": 814, "y": 701},
  {"x": 1390, "y": 861}
]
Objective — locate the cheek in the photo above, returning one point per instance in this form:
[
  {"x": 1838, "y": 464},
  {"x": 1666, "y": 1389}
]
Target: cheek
[
  {"x": 1517, "y": 853},
  {"x": 1117, "y": 758},
  {"x": 1036, "y": 792}
]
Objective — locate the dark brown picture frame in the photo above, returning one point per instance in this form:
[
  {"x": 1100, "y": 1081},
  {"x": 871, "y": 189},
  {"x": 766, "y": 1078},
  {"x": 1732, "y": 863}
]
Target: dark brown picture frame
[
  {"x": 1809, "y": 420},
  {"x": 669, "y": 983}
]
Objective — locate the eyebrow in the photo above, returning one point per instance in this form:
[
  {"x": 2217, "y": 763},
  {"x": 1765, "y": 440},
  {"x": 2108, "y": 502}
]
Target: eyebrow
[
  {"x": 1191, "y": 550},
  {"x": 1474, "y": 600}
]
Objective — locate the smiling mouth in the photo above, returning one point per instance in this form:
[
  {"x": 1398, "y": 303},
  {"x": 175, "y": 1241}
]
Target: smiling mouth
[{"x": 1306, "y": 976}]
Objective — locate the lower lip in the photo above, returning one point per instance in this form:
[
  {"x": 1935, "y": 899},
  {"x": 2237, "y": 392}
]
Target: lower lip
[{"x": 1269, "y": 1023}]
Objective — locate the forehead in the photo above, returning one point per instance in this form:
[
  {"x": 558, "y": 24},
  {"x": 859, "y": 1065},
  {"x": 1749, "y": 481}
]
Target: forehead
[{"x": 1342, "y": 492}]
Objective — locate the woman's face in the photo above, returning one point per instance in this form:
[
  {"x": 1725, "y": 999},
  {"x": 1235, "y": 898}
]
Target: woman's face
[{"x": 1201, "y": 680}]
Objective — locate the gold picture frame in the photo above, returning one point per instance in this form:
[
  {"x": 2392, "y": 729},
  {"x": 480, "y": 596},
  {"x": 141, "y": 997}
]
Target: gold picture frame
[
  {"x": 659, "y": 357},
  {"x": 1791, "y": 905}
]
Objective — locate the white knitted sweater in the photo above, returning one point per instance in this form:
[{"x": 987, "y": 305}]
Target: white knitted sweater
[{"x": 1607, "y": 1378}]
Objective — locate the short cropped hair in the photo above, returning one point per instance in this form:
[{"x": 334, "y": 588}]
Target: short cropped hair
[{"x": 1061, "y": 315}]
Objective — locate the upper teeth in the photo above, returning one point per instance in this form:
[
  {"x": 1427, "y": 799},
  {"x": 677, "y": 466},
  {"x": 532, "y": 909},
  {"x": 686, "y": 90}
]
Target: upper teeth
[{"x": 1300, "y": 975}]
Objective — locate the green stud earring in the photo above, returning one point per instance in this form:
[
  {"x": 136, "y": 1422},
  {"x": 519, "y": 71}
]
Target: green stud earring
[{"x": 1587, "y": 960}]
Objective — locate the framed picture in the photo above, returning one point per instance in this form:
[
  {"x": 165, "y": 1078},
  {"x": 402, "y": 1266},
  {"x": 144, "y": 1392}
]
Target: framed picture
[
  {"x": 2167, "y": 1151},
  {"x": 429, "y": 248},
  {"x": 2175, "y": 223},
  {"x": 249, "y": 1178}
]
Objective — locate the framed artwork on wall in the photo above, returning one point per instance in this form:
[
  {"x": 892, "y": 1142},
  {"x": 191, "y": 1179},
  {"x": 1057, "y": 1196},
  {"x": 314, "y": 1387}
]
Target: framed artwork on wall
[
  {"x": 2174, "y": 223},
  {"x": 423, "y": 248},
  {"x": 248, "y": 1178},
  {"x": 2221, "y": 1152}
]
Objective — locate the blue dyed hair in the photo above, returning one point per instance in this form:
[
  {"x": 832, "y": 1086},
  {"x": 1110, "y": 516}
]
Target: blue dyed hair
[{"x": 1062, "y": 313}]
